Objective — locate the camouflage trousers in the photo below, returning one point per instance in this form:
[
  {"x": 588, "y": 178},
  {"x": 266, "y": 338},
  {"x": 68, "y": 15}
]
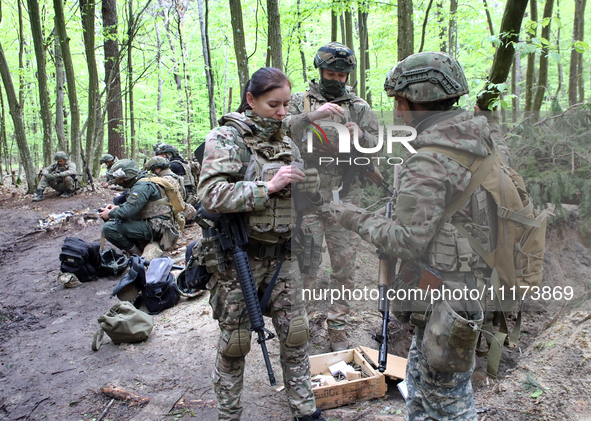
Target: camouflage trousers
[
  {"x": 434, "y": 395},
  {"x": 286, "y": 309},
  {"x": 342, "y": 249},
  {"x": 62, "y": 185}
]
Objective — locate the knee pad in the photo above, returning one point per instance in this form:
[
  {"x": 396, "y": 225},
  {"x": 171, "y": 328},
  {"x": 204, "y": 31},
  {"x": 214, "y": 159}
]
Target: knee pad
[
  {"x": 239, "y": 344},
  {"x": 298, "y": 332}
]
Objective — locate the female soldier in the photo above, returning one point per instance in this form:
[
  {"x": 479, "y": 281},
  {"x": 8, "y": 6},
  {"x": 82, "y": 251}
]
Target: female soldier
[{"x": 246, "y": 168}]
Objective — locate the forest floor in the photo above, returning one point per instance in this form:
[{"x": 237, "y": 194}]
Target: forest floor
[{"x": 49, "y": 372}]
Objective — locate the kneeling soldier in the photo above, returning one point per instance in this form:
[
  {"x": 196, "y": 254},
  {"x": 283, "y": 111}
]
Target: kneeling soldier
[{"x": 146, "y": 215}]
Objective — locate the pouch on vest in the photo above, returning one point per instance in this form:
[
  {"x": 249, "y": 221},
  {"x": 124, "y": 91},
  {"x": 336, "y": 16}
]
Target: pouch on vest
[
  {"x": 80, "y": 258},
  {"x": 123, "y": 323},
  {"x": 451, "y": 335},
  {"x": 172, "y": 192}
]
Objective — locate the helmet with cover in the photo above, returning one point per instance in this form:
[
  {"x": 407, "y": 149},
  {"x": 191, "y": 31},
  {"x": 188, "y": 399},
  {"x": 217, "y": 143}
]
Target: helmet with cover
[
  {"x": 61, "y": 155},
  {"x": 124, "y": 169},
  {"x": 157, "y": 162},
  {"x": 427, "y": 77},
  {"x": 163, "y": 148},
  {"x": 106, "y": 158}
]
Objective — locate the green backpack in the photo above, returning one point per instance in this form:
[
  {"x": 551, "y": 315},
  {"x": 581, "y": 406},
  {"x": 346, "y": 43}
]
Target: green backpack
[{"x": 123, "y": 323}]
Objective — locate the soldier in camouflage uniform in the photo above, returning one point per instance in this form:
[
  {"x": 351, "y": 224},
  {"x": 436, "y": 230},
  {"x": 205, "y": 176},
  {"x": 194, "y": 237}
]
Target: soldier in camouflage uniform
[
  {"x": 146, "y": 215},
  {"x": 108, "y": 160},
  {"x": 260, "y": 188},
  {"x": 60, "y": 176},
  {"x": 161, "y": 167},
  {"x": 330, "y": 99},
  {"x": 426, "y": 86},
  {"x": 181, "y": 168}
]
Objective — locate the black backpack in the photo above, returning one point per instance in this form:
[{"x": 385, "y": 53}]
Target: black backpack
[
  {"x": 156, "y": 296},
  {"x": 80, "y": 258}
]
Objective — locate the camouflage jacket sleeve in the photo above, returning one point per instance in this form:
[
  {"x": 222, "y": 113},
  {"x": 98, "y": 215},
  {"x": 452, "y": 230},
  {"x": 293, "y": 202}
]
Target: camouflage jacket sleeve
[
  {"x": 70, "y": 171},
  {"x": 219, "y": 190},
  {"x": 368, "y": 122},
  {"x": 137, "y": 198},
  {"x": 428, "y": 183},
  {"x": 297, "y": 119},
  {"x": 50, "y": 169}
]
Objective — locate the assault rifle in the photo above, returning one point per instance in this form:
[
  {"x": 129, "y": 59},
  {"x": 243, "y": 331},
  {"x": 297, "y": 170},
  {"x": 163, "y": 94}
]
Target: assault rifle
[
  {"x": 383, "y": 278},
  {"x": 230, "y": 230},
  {"x": 88, "y": 174},
  {"x": 367, "y": 171}
]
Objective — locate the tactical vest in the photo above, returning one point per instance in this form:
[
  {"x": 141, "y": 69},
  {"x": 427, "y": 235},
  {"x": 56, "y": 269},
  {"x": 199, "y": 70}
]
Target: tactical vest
[
  {"x": 174, "y": 179},
  {"x": 188, "y": 178},
  {"x": 260, "y": 162},
  {"x": 154, "y": 208}
]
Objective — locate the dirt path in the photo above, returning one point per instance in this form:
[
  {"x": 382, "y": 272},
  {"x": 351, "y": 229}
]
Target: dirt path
[{"x": 48, "y": 370}]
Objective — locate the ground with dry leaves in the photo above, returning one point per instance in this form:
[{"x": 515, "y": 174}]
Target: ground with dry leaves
[{"x": 48, "y": 370}]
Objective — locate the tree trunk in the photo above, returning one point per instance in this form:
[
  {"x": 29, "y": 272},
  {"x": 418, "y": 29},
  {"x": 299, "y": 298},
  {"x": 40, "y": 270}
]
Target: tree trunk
[
  {"x": 509, "y": 35},
  {"x": 575, "y": 75},
  {"x": 349, "y": 37},
  {"x": 160, "y": 80},
  {"x": 453, "y": 28},
  {"x": 113, "y": 80},
  {"x": 44, "y": 102},
  {"x": 239, "y": 43},
  {"x": 488, "y": 18},
  {"x": 274, "y": 31},
  {"x": 515, "y": 84},
  {"x": 362, "y": 48},
  {"x": 333, "y": 22},
  {"x": 175, "y": 66},
  {"x": 406, "y": 39},
  {"x": 560, "y": 87},
  {"x": 181, "y": 13},
  {"x": 301, "y": 41},
  {"x": 19, "y": 125},
  {"x": 425, "y": 25},
  {"x": 3, "y": 137},
  {"x": 343, "y": 36},
  {"x": 60, "y": 131},
  {"x": 87, "y": 10},
  {"x": 130, "y": 83},
  {"x": 207, "y": 64},
  {"x": 543, "y": 74},
  {"x": 60, "y": 25},
  {"x": 442, "y": 27},
  {"x": 530, "y": 72},
  {"x": 21, "y": 55}
]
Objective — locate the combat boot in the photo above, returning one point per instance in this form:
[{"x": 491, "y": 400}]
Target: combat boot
[
  {"x": 39, "y": 196},
  {"x": 134, "y": 250},
  {"x": 338, "y": 340},
  {"x": 315, "y": 416}
]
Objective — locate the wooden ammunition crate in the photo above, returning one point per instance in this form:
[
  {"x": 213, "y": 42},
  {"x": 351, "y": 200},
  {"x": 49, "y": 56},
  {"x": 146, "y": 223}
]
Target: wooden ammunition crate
[{"x": 346, "y": 392}]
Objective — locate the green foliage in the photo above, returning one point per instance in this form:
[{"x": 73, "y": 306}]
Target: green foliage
[{"x": 555, "y": 160}]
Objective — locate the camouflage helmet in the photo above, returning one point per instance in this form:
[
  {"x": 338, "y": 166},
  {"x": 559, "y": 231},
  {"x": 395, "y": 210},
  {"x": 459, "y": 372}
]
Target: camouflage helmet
[
  {"x": 427, "y": 77},
  {"x": 106, "y": 158},
  {"x": 60, "y": 155},
  {"x": 163, "y": 148},
  {"x": 157, "y": 162},
  {"x": 336, "y": 57},
  {"x": 125, "y": 169}
]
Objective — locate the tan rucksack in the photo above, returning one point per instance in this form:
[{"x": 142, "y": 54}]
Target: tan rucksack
[
  {"x": 172, "y": 191},
  {"x": 517, "y": 261}
]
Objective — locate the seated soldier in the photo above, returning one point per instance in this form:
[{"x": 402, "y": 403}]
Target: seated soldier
[
  {"x": 60, "y": 176},
  {"x": 146, "y": 215}
]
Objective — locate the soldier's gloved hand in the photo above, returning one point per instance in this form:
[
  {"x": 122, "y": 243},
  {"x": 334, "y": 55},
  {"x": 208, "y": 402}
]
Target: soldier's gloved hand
[
  {"x": 342, "y": 213},
  {"x": 311, "y": 182}
]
